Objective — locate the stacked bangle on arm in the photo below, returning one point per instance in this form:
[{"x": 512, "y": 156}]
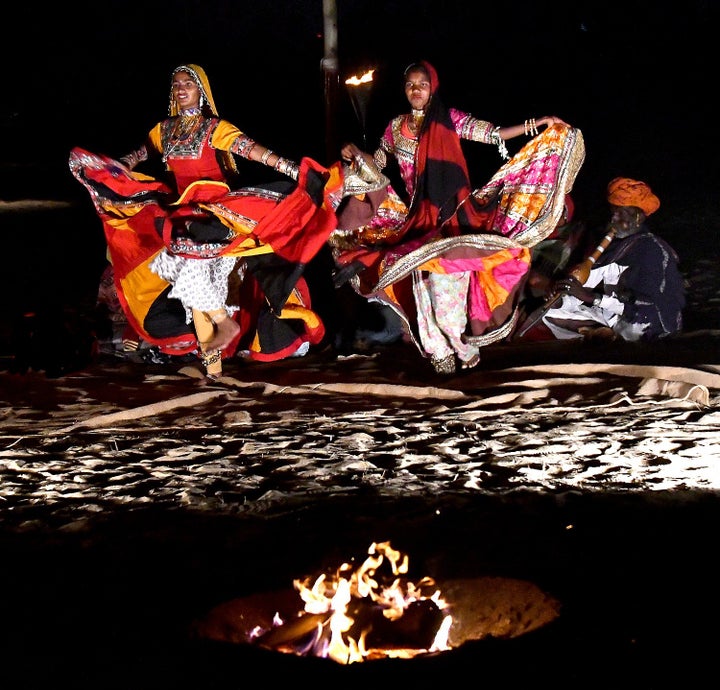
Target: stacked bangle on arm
[
  {"x": 265, "y": 156},
  {"x": 531, "y": 128},
  {"x": 287, "y": 167}
]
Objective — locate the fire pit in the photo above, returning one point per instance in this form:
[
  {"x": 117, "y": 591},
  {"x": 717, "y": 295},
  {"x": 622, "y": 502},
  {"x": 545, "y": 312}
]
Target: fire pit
[{"x": 373, "y": 611}]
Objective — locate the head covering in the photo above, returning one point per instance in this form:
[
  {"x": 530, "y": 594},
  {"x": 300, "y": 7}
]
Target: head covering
[
  {"x": 197, "y": 74},
  {"x": 207, "y": 106},
  {"x": 425, "y": 66},
  {"x": 441, "y": 175},
  {"x": 623, "y": 191},
  {"x": 442, "y": 196}
]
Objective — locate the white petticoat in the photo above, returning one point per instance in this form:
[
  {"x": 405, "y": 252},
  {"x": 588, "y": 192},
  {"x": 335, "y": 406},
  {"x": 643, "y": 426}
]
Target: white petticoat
[{"x": 200, "y": 284}]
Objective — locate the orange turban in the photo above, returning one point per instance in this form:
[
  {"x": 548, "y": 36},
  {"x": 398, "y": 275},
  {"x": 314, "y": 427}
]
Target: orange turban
[{"x": 622, "y": 191}]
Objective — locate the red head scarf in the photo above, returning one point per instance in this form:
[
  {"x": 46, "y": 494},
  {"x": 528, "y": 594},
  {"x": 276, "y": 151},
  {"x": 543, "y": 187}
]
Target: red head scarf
[{"x": 442, "y": 179}]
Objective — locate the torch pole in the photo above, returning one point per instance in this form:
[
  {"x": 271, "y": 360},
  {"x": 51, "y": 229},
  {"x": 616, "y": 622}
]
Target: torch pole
[
  {"x": 359, "y": 109},
  {"x": 331, "y": 77},
  {"x": 358, "y": 89}
]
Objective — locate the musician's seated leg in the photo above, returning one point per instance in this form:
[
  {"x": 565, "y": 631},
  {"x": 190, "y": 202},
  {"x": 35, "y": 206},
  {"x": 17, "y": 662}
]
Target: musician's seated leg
[
  {"x": 568, "y": 329},
  {"x": 587, "y": 329},
  {"x": 572, "y": 324}
]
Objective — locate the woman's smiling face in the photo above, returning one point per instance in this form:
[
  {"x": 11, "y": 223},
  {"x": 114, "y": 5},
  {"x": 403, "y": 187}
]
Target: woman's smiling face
[{"x": 185, "y": 90}]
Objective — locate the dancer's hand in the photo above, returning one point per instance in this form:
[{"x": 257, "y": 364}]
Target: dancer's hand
[
  {"x": 550, "y": 120},
  {"x": 349, "y": 152}
]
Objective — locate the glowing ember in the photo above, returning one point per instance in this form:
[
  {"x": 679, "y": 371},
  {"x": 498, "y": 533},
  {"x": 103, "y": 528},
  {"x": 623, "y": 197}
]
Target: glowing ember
[
  {"x": 366, "y": 613},
  {"x": 364, "y": 79}
]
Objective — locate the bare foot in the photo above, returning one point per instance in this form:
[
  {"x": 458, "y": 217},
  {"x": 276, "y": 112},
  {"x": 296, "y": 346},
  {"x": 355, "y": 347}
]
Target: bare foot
[
  {"x": 599, "y": 334},
  {"x": 225, "y": 331}
]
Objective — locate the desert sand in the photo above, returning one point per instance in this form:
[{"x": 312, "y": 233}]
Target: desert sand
[{"x": 135, "y": 501}]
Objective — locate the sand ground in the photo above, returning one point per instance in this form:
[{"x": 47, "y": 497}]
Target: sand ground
[{"x": 133, "y": 501}]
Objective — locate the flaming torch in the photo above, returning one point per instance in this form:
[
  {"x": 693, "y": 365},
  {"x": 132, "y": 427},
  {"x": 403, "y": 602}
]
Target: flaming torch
[{"x": 359, "y": 91}]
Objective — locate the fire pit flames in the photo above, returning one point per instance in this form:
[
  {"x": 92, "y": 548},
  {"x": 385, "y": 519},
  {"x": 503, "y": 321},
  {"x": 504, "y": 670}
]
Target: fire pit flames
[
  {"x": 350, "y": 614},
  {"x": 370, "y": 612}
]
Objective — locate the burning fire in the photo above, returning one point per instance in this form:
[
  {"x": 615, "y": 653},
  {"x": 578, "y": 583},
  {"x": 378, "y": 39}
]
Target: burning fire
[
  {"x": 364, "y": 79},
  {"x": 354, "y": 615}
]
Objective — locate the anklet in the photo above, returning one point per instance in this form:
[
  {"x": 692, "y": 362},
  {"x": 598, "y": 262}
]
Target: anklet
[{"x": 210, "y": 359}]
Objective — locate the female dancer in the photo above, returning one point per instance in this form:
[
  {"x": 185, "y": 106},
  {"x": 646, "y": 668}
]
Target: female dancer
[
  {"x": 197, "y": 261},
  {"x": 452, "y": 261}
]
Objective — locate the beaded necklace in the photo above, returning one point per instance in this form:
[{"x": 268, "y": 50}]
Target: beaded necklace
[
  {"x": 185, "y": 125},
  {"x": 415, "y": 120}
]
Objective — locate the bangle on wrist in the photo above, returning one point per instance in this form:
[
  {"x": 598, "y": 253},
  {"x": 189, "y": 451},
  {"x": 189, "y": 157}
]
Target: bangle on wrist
[{"x": 287, "y": 167}]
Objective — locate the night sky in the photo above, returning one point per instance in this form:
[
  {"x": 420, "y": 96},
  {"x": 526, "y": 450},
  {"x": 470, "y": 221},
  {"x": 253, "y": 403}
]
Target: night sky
[{"x": 635, "y": 77}]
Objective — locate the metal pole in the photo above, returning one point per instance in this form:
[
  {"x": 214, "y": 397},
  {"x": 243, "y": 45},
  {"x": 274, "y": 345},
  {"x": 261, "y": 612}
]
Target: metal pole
[{"x": 331, "y": 74}]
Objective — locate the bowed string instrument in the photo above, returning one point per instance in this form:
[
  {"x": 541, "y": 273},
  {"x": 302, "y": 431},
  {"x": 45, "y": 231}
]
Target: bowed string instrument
[{"x": 579, "y": 272}]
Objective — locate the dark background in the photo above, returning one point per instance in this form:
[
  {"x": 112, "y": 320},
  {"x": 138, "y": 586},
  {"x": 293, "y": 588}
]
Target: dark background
[{"x": 637, "y": 78}]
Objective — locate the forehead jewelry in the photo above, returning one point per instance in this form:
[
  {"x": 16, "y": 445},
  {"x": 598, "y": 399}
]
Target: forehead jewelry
[{"x": 196, "y": 80}]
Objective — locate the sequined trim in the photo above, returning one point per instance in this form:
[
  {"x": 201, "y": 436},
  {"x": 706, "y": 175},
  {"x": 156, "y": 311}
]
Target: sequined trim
[
  {"x": 243, "y": 145},
  {"x": 362, "y": 179},
  {"x": 187, "y": 143},
  {"x": 469, "y": 127},
  {"x": 406, "y": 264}
]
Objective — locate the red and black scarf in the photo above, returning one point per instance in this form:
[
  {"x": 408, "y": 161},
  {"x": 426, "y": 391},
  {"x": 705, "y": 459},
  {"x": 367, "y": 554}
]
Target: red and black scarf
[{"x": 442, "y": 198}]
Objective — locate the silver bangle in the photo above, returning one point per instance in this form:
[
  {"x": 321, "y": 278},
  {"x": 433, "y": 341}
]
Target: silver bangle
[
  {"x": 287, "y": 167},
  {"x": 265, "y": 156},
  {"x": 496, "y": 139}
]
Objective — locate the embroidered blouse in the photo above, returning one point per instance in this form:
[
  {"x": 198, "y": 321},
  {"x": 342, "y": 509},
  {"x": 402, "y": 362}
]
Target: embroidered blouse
[
  {"x": 398, "y": 141},
  {"x": 189, "y": 147}
]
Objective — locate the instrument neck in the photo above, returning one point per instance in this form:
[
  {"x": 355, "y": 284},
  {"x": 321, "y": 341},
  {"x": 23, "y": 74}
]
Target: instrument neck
[{"x": 582, "y": 270}]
